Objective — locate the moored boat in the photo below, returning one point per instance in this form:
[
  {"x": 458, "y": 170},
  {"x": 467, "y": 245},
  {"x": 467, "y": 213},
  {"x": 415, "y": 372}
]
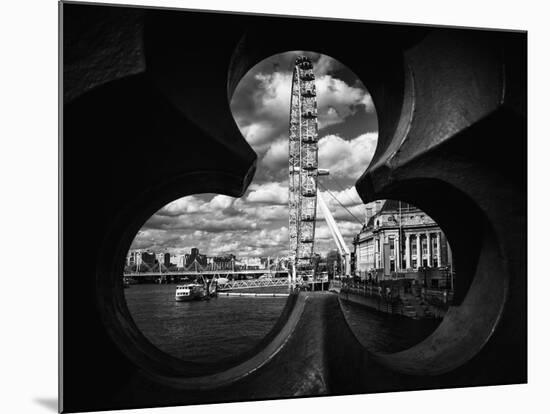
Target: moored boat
[
  {"x": 197, "y": 290},
  {"x": 191, "y": 291}
]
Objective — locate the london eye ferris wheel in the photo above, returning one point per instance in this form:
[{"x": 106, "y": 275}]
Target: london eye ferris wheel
[{"x": 303, "y": 165}]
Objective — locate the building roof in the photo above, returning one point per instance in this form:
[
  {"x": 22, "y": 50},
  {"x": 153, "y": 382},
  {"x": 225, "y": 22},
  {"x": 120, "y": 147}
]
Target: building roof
[
  {"x": 370, "y": 223},
  {"x": 393, "y": 205}
]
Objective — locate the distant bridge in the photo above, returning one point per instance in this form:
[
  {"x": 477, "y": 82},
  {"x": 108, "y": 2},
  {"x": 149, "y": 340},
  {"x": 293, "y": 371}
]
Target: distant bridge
[
  {"x": 206, "y": 272},
  {"x": 236, "y": 284}
]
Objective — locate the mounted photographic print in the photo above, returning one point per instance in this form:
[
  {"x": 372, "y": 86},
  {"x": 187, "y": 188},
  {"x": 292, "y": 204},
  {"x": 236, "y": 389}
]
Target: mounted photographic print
[{"x": 284, "y": 207}]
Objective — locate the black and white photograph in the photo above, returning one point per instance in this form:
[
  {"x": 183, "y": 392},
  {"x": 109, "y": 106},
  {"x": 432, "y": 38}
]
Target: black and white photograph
[
  {"x": 275, "y": 208},
  {"x": 274, "y": 214}
]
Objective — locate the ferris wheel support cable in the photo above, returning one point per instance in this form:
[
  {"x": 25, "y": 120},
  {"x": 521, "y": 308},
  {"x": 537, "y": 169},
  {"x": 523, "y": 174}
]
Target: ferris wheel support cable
[
  {"x": 337, "y": 235},
  {"x": 338, "y": 201},
  {"x": 341, "y": 187}
]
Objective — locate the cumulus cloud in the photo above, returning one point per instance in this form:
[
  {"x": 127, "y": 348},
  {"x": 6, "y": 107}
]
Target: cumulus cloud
[
  {"x": 220, "y": 202},
  {"x": 154, "y": 237},
  {"x": 262, "y": 211},
  {"x": 347, "y": 196},
  {"x": 193, "y": 204},
  {"x": 344, "y": 205},
  {"x": 325, "y": 240},
  {"x": 348, "y": 159},
  {"x": 276, "y": 157},
  {"x": 269, "y": 193},
  {"x": 261, "y": 103},
  {"x": 184, "y": 205},
  {"x": 325, "y": 65},
  {"x": 264, "y": 242},
  {"x": 336, "y": 100},
  {"x": 258, "y": 228},
  {"x": 274, "y": 94},
  {"x": 353, "y": 214},
  {"x": 203, "y": 222},
  {"x": 259, "y": 134}
]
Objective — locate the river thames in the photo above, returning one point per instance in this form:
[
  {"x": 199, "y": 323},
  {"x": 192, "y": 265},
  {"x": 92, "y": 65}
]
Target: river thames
[{"x": 213, "y": 330}]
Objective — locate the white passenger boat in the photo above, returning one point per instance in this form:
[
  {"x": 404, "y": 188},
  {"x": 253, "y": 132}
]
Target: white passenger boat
[
  {"x": 196, "y": 291},
  {"x": 191, "y": 291}
]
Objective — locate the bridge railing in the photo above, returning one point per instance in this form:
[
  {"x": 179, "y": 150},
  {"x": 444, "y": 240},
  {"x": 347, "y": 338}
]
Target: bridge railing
[
  {"x": 206, "y": 272},
  {"x": 254, "y": 283},
  {"x": 208, "y": 268}
]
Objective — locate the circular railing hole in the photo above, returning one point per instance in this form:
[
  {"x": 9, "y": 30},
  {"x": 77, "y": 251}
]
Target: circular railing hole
[
  {"x": 404, "y": 278},
  {"x": 478, "y": 280},
  {"x": 190, "y": 290},
  {"x": 347, "y": 127},
  {"x": 344, "y": 134}
]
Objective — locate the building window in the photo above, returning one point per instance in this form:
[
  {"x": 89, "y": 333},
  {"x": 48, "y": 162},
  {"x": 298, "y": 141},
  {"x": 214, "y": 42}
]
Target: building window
[
  {"x": 391, "y": 241},
  {"x": 414, "y": 263},
  {"x": 413, "y": 246},
  {"x": 436, "y": 264},
  {"x": 392, "y": 266},
  {"x": 424, "y": 246}
]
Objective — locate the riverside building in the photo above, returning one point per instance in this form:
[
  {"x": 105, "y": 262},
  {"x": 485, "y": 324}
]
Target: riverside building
[{"x": 400, "y": 241}]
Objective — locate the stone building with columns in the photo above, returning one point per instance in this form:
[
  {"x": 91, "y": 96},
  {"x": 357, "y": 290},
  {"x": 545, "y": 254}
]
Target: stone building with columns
[{"x": 398, "y": 240}]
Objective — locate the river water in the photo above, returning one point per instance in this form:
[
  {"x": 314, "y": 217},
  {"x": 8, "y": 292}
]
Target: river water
[
  {"x": 209, "y": 331},
  {"x": 385, "y": 333}
]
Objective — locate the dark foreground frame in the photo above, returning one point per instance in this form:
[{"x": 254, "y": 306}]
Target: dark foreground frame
[{"x": 146, "y": 119}]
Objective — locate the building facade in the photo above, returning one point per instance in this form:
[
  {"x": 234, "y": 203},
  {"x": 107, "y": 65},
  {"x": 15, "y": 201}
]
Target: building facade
[
  {"x": 164, "y": 258},
  {"x": 252, "y": 263},
  {"x": 226, "y": 262},
  {"x": 196, "y": 258},
  {"x": 400, "y": 240},
  {"x": 148, "y": 258},
  {"x": 133, "y": 258}
]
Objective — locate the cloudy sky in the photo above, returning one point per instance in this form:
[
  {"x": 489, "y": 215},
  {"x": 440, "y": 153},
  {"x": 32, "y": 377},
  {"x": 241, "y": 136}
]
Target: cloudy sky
[{"x": 257, "y": 223}]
